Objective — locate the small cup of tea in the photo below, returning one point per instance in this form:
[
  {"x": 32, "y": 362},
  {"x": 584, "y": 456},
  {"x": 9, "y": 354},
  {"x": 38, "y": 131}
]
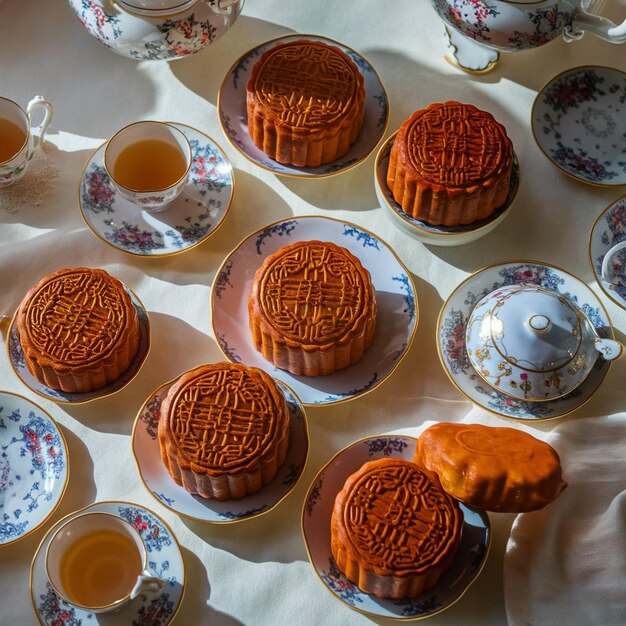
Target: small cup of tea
[
  {"x": 18, "y": 139},
  {"x": 614, "y": 266},
  {"x": 148, "y": 163},
  {"x": 97, "y": 562}
]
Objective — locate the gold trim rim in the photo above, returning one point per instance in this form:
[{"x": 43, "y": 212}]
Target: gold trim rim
[
  {"x": 291, "y": 174},
  {"x": 395, "y": 255},
  {"x": 67, "y": 464},
  {"x": 483, "y": 514},
  {"x": 129, "y": 11}
]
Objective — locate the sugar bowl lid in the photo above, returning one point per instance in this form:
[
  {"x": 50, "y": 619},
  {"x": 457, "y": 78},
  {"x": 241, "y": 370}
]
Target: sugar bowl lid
[{"x": 532, "y": 343}]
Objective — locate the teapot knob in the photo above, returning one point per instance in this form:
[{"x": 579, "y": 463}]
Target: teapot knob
[{"x": 539, "y": 323}]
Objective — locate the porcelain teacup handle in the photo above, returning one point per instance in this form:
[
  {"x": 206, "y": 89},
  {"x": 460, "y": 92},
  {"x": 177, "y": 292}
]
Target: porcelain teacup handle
[
  {"x": 35, "y": 103},
  {"x": 225, "y": 6},
  {"x": 582, "y": 22},
  {"x": 608, "y": 268},
  {"x": 146, "y": 584}
]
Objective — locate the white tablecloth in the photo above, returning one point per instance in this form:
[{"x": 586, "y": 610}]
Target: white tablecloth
[{"x": 256, "y": 572}]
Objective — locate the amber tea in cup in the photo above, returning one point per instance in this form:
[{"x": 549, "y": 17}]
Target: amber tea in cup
[{"x": 12, "y": 139}]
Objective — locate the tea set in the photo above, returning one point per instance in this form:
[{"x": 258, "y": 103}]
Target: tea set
[{"x": 522, "y": 339}]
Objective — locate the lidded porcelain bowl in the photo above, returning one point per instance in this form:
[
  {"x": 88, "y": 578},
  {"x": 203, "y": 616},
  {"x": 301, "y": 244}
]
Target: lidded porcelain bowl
[{"x": 532, "y": 343}]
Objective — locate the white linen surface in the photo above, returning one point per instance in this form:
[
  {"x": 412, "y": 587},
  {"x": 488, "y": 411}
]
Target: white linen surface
[{"x": 562, "y": 565}]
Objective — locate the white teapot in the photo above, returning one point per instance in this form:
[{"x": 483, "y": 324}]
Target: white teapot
[
  {"x": 493, "y": 25},
  {"x": 157, "y": 29},
  {"x": 532, "y": 343}
]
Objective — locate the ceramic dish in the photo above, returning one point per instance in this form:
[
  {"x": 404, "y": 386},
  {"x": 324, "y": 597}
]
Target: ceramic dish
[
  {"x": 608, "y": 230},
  {"x": 395, "y": 295},
  {"x": 34, "y": 467},
  {"x": 579, "y": 122},
  {"x": 162, "y": 486},
  {"x": 452, "y": 323},
  {"x": 187, "y": 221},
  {"x": 231, "y": 105},
  {"x": 165, "y": 37},
  {"x": 164, "y": 560},
  {"x": 18, "y": 362},
  {"x": 436, "y": 235},
  {"x": 316, "y": 513}
]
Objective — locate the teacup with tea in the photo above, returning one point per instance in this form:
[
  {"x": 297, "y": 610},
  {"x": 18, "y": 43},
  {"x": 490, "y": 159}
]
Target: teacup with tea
[
  {"x": 148, "y": 163},
  {"x": 614, "y": 266},
  {"x": 97, "y": 562},
  {"x": 18, "y": 139}
]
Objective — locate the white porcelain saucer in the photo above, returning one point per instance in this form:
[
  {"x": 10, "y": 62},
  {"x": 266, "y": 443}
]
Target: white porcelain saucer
[
  {"x": 427, "y": 233},
  {"x": 395, "y": 296},
  {"x": 316, "y": 513},
  {"x": 161, "y": 485},
  {"x": 18, "y": 362},
  {"x": 164, "y": 560},
  {"x": 34, "y": 467},
  {"x": 608, "y": 230},
  {"x": 233, "y": 117},
  {"x": 579, "y": 122},
  {"x": 187, "y": 221},
  {"x": 451, "y": 337}
]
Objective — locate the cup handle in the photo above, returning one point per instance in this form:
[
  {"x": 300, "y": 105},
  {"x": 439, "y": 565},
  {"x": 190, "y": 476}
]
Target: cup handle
[
  {"x": 36, "y": 102},
  {"x": 225, "y": 6},
  {"x": 608, "y": 268},
  {"x": 149, "y": 584},
  {"x": 600, "y": 26}
]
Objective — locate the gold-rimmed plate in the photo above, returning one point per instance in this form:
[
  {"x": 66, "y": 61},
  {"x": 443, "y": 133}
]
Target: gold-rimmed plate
[{"x": 233, "y": 116}]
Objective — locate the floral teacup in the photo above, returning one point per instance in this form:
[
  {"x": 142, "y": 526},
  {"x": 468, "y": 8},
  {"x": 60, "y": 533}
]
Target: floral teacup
[
  {"x": 17, "y": 139},
  {"x": 614, "y": 266}
]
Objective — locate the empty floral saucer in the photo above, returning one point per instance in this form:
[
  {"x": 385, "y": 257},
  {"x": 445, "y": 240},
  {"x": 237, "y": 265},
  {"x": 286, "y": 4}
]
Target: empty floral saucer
[
  {"x": 165, "y": 560},
  {"x": 234, "y": 118},
  {"x": 395, "y": 297},
  {"x": 579, "y": 122},
  {"x": 186, "y": 222},
  {"x": 34, "y": 467},
  {"x": 316, "y": 513},
  {"x": 609, "y": 230},
  {"x": 451, "y": 329},
  {"x": 161, "y": 485},
  {"x": 18, "y": 362},
  {"x": 427, "y": 233}
]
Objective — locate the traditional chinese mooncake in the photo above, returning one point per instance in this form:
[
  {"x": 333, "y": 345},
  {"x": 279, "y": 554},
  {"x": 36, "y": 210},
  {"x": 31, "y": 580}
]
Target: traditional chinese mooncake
[
  {"x": 450, "y": 164},
  {"x": 224, "y": 430},
  {"x": 394, "y": 531},
  {"x": 78, "y": 329},
  {"x": 305, "y": 102},
  {"x": 312, "y": 308},
  {"x": 493, "y": 468}
]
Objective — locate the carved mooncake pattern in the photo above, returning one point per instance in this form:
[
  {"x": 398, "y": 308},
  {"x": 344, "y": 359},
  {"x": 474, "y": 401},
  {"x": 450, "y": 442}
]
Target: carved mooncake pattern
[
  {"x": 312, "y": 296},
  {"x": 396, "y": 531}
]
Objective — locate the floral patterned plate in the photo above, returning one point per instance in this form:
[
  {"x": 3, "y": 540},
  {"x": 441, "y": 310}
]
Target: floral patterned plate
[
  {"x": 579, "y": 122},
  {"x": 34, "y": 467},
  {"x": 316, "y": 512},
  {"x": 608, "y": 230},
  {"x": 162, "y": 486},
  {"x": 164, "y": 560},
  {"x": 189, "y": 220},
  {"x": 427, "y": 233},
  {"x": 18, "y": 362},
  {"x": 234, "y": 119},
  {"x": 451, "y": 337},
  {"x": 395, "y": 295}
]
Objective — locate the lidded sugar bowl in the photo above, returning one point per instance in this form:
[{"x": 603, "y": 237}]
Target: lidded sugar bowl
[{"x": 532, "y": 343}]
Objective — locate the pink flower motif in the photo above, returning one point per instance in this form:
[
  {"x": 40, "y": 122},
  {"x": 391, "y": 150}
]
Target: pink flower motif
[{"x": 524, "y": 376}]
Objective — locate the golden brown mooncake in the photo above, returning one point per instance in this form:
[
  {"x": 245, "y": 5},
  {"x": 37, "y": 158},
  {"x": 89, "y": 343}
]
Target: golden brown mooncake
[
  {"x": 305, "y": 102},
  {"x": 78, "y": 329},
  {"x": 224, "y": 430},
  {"x": 312, "y": 308},
  {"x": 492, "y": 468},
  {"x": 450, "y": 164},
  {"x": 394, "y": 531}
]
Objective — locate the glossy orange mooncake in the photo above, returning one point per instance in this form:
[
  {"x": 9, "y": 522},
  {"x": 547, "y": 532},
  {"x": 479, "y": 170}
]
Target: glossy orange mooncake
[
  {"x": 493, "y": 468},
  {"x": 312, "y": 308},
  {"x": 394, "y": 531},
  {"x": 305, "y": 102},
  {"x": 450, "y": 164},
  {"x": 223, "y": 430},
  {"x": 78, "y": 329}
]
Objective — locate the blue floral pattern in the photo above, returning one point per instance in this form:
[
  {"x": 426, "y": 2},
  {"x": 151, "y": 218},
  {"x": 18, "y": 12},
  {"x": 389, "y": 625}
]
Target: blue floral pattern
[{"x": 282, "y": 229}]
